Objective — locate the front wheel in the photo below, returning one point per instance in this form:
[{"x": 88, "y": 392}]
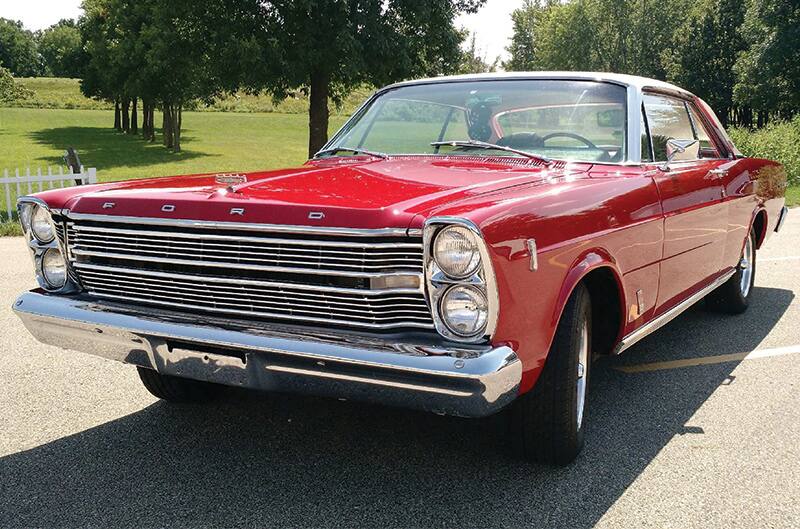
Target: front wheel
[
  {"x": 549, "y": 420},
  {"x": 175, "y": 389},
  {"x": 733, "y": 297}
]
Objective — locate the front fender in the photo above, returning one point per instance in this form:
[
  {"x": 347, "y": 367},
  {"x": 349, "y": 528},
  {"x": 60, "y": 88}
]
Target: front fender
[{"x": 589, "y": 261}]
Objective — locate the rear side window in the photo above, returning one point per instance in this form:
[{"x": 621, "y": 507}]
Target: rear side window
[{"x": 668, "y": 119}]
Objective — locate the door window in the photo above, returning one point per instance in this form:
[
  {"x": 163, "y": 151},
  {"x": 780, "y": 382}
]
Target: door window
[
  {"x": 668, "y": 119},
  {"x": 707, "y": 147}
]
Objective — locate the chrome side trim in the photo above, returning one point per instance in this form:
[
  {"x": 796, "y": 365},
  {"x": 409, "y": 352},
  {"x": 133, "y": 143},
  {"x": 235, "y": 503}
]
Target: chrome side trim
[
  {"x": 276, "y": 228},
  {"x": 654, "y": 325},
  {"x": 446, "y": 378}
]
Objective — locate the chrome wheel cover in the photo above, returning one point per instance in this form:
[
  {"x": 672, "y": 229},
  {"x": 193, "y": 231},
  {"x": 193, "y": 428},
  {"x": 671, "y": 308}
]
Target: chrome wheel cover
[
  {"x": 746, "y": 267},
  {"x": 583, "y": 368}
]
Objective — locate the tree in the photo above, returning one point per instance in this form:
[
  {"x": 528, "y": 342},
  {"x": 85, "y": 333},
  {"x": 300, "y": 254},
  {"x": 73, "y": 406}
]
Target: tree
[
  {"x": 768, "y": 72},
  {"x": 61, "y": 49},
  {"x": 18, "y": 49},
  {"x": 523, "y": 41},
  {"x": 704, "y": 53},
  {"x": 329, "y": 48},
  {"x": 602, "y": 35},
  {"x": 473, "y": 61}
]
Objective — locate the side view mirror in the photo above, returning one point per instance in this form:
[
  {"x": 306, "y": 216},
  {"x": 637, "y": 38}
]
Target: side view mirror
[{"x": 676, "y": 147}]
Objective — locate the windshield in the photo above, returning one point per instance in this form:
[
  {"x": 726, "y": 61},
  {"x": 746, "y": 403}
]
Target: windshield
[{"x": 566, "y": 120}]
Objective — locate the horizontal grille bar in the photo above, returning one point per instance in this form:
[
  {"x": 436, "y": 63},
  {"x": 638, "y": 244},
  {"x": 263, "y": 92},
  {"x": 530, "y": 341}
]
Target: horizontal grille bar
[
  {"x": 265, "y": 300},
  {"x": 250, "y": 253}
]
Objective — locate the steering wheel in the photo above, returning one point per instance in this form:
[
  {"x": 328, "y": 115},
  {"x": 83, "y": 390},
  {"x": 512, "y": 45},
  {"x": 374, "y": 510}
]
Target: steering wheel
[{"x": 570, "y": 135}]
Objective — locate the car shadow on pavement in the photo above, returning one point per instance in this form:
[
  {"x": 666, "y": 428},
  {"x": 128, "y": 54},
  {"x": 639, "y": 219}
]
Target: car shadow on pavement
[{"x": 276, "y": 460}]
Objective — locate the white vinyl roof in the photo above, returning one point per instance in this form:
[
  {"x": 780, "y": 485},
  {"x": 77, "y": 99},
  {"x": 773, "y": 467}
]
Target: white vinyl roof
[{"x": 622, "y": 79}]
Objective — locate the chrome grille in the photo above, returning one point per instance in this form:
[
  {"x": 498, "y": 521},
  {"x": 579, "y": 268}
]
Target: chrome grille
[
  {"x": 352, "y": 258},
  {"x": 315, "y": 278}
]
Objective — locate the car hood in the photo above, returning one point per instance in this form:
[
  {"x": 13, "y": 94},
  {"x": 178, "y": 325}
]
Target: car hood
[{"x": 342, "y": 192}]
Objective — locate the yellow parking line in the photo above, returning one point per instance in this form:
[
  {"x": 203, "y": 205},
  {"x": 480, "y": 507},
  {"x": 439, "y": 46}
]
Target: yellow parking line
[{"x": 709, "y": 360}]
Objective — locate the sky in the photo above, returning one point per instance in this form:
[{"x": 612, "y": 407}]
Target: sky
[{"x": 492, "y": 24}]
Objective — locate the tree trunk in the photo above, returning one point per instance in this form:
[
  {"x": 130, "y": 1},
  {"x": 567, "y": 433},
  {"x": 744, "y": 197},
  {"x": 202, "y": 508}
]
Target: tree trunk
[
  {"x": 134, "y": 118},
  {"x": 167, "y": 126},
  {"x": 177, "y": 122},
  {"x": 318, "y": 112},
  {"x": 117, "y": 117},
  {"x": 152, "y": 121},
  {"x": 126, "y": 117},
  {"x": 145, "y": 111},
  {"x": 148, "y": 125}
]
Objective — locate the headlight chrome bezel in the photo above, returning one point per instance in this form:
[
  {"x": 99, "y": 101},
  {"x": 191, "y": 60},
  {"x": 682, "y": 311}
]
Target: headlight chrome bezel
[
  {"x": 438, "y": 283},
  {"x": 39, "y": 211},
  {"x": 43, "y": 270},
  {"x": 26, "y": 208},
  {"x": 475, "y": 260}
]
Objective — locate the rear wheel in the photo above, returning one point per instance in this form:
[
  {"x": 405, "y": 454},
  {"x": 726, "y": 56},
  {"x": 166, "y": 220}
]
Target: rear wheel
[
  {"x": 549, "y": 420},
  {"x": 733, "y": 297},
  {"x": 175, "y": 389}
]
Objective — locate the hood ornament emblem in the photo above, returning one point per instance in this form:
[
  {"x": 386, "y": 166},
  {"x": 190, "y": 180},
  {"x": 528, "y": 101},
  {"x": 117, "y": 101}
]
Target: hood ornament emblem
[{"x": 230, "y": 179}]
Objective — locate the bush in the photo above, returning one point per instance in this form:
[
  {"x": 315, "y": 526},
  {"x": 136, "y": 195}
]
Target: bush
[
  {"x": 778, "y": 141},
  {"x": 10, "y": 90}
]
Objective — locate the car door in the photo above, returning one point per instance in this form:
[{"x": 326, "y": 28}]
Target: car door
[
  {"x": 738, "y": 188},
  {"x": 695, "y": 216}
]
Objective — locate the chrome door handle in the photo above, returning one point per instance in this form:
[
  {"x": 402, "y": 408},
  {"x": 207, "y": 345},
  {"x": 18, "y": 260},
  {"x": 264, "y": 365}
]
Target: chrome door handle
[{"x": 719, "y": 172}]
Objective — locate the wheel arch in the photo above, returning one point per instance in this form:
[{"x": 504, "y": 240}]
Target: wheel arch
[
  {"x": 759, "y": 225},
  {"x": 598, "y": 271}
]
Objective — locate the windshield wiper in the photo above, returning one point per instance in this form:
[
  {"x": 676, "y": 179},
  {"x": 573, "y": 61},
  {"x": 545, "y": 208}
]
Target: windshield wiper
[
  {"x": 492, "y": 146},
  {"x": 337, "y": 150}
]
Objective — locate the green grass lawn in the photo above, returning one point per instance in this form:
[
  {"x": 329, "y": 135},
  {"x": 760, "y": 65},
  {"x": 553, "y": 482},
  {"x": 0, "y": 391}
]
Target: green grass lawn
[{"x": 212, "y": 142}]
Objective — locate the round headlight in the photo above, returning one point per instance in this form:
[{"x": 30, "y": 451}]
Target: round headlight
[
  {"x": 54, "y": 268},
  {"x": 465, "y": 310},
  {"x": 456, "y": 252},
  {"x": 40, "y": 225}
]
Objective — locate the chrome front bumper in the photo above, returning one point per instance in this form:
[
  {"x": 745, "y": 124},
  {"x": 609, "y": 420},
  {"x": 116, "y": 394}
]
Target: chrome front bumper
[{"x": 464, "y": 381}]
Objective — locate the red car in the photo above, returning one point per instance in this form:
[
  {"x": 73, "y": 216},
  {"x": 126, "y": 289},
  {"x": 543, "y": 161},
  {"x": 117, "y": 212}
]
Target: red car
[{"x": 461, "y": 246}]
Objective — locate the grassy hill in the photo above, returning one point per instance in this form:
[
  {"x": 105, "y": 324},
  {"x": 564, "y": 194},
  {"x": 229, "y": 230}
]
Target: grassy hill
[{"x": 65, "y": 94}]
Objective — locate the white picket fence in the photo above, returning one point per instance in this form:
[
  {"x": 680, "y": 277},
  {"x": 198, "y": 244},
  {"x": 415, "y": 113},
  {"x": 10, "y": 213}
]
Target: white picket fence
[{"x": 25, "y": 183}]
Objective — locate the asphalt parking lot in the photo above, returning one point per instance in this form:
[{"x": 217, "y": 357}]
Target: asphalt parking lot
[{"x": 696, "y": 426}]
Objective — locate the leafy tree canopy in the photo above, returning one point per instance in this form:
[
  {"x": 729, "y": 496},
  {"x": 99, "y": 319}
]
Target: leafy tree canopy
[
  {"x": 769, "y": 71},
  {"x": 61, "y": 49},
  {"x": 18, "y": 49}
]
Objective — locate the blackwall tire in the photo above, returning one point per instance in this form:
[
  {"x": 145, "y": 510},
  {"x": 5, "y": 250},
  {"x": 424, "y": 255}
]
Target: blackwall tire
[
  {"x": 733, "y": 297},
  {"x": 174, "y": 389},
  {"x": 550, "y": 419}
]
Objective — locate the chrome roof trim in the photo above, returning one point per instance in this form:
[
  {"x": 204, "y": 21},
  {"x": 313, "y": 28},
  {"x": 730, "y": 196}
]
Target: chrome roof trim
[{"x": 634, "y": 81}]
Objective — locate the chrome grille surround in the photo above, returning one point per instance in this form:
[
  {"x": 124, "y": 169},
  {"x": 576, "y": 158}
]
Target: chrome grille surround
[{"x": 369, "y": 279}]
